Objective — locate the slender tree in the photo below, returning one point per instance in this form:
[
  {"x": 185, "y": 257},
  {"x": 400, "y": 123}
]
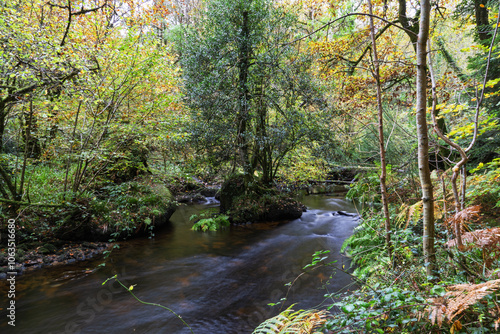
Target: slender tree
[
  {"x": 383, "y": 165},
  {"x": 423, "y": 139}
]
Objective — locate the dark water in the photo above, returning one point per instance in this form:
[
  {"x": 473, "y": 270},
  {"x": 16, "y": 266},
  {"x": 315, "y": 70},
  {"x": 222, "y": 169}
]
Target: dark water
[{"x": 220, "y": 282}]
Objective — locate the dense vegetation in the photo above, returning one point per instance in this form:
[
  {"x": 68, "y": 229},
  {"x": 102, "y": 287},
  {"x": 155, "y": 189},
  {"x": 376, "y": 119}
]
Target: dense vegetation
[{"x": 112, "y": 110}]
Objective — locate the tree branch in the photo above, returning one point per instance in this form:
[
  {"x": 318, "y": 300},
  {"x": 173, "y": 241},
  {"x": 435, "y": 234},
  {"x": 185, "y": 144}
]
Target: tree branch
[{"x": 410, "y": 32}]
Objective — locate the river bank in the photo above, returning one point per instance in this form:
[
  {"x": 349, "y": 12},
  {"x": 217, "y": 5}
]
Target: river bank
[{"x": 66, "y": 253}]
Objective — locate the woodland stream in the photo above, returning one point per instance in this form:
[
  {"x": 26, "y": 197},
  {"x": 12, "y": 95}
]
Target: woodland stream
[{"x": 220, "y": 282}]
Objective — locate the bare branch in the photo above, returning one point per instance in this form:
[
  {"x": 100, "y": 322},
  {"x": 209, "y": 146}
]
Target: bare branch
[
  {"x": 353, "y": 14},
  {"x": 479, "y": 100}
]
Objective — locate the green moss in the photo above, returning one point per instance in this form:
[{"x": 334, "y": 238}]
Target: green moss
[{"x": 267, "y": 207}]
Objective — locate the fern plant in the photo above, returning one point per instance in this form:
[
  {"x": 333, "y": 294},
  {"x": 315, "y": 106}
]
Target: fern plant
[
  {"x": 484, "y": 183},
  {"x": 366, "y": 247},
  {"x": 461, "y": 298},
  {"x": 293, "y": 322},
  {"x": 210, "y": 221}
]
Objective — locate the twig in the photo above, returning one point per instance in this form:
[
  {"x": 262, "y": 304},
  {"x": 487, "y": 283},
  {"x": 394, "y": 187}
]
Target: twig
[{"x": 147, "y": 303}]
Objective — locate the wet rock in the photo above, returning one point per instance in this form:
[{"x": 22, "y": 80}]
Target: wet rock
[
  {"x": 70, "y": 252},
  {"x": 209, "y": 192},
  {"x": 190, "y": 198},
  {"x": 343, "y": 213}
]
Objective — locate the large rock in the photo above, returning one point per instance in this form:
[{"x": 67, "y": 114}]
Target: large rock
[
  {"x": 251, "y": 208},
  {"x": 120, "y": 211},
  {"x": 257, "y": 204},
  {"x": 233, "y": 187}
]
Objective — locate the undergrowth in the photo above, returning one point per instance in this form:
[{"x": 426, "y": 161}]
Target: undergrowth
[
  {"x": 130, "y": 207},
  {"x": 396, "y": 296}
]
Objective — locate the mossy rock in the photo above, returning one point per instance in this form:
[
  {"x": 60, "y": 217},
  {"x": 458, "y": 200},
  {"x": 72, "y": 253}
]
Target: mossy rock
[
  {"x": 233, "y": 187},
  {"x": 76, "y": 224},
  {"x": 120, "y": 211},
  {"x": 251, "y": 208}
]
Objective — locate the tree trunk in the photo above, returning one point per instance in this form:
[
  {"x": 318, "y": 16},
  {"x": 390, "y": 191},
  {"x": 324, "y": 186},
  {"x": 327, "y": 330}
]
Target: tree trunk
[
  {"x": 423, "y": 139},
  {"x": 244, "y": 99},
  {"x": 3, "y": 113},
  {"x": 383, "y": 172},
  {"x": 408, "y": 23},
  {"x": 482, "y": 21}
]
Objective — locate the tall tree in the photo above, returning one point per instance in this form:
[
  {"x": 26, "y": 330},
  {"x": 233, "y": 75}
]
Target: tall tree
[
  {"x": 380, "y": 114},
  {"x": 247, "y": 86},
  {"x": 423, "y": 139}
]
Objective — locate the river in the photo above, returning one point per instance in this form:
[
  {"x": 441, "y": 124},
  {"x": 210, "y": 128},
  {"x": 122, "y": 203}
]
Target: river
[{"x": 220, "y": 282}]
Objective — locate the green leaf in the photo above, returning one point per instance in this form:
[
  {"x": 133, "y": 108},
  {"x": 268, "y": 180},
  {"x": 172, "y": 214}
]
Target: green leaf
[{"x": 348, "y": 308}]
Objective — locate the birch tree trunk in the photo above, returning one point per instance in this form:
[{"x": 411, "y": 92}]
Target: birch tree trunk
[
  {"x": 423, "y": 139},
  {"x": 383, "y": 171}
]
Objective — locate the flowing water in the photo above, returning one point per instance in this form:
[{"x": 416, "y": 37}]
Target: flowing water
[{"x": 220, "y": 282}]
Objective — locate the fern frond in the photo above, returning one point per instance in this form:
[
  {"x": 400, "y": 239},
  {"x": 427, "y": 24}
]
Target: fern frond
[
  {"x": 484, "y": 238},
  {"x": 290, "y": 322},
  {"x": 464, "y": 217},
  {"x": 458, "y": 299},
  {"x": 465, "y": 295},
  {"x": 408, "y": 213}
]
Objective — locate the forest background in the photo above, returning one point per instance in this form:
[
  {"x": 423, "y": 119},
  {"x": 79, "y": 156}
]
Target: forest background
[{"x": 108, "y": 109}]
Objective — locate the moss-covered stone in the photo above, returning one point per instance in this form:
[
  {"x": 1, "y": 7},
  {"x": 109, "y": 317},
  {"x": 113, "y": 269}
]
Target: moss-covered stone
[
  {"x": 233, "y": 187},
  {"x": 250, "y": 208},
  {"x": 120, "y": 211}
]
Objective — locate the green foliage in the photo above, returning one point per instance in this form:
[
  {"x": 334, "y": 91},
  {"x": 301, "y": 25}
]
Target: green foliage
[
  {"x": 318, "y": 258},
  {"x": 303, "y": 164},
  {"x": 396, "y": 295},
  {"x": 367, "y": 248},
  {"x": 130, "y": 207},
  {"x": 45, "y": 180},
  {"x": 243, "y": 91},
  {"x": 289, "y": 321},
  {"x": 387, "y": 305},
  {"x": 367, "y": 186},
  {"x": 487, "y": 146},
  {"x": 485, "y": 185},
  {"x": 378, "y": 310},
  {"x": 210, "y": 221},
  {"x": 129, "y": 162},
  {"x": 477, "y": 63}
]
